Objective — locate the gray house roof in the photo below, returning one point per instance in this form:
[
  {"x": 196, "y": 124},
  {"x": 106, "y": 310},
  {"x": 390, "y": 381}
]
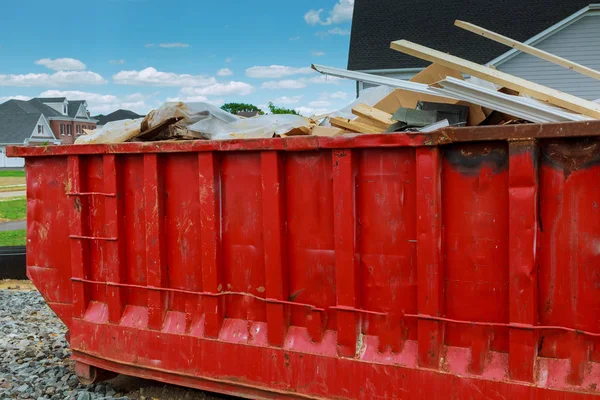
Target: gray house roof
[
  {"x": 51, "y": 99},
  {"x": 16, "y": 128},
  {"x": 116, "y": 116},
  {"x": 431, "y": 23},
  {"x": 74, "y": 107}
]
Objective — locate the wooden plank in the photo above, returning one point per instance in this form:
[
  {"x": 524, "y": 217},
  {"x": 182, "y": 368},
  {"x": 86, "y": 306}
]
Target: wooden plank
[
  {"x": 525, "y": 48},
  {"x": 523, "y": 86},
  {"x": 373, "y": 116},
  {"x": 355, "y": 126}
]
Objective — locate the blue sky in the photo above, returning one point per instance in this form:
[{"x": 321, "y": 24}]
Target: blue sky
[{"x": 137, "y": 54}]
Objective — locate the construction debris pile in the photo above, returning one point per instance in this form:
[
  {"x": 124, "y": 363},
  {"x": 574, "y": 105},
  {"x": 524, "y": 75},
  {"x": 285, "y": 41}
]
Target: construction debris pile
[{"x": 437, "y": 97}]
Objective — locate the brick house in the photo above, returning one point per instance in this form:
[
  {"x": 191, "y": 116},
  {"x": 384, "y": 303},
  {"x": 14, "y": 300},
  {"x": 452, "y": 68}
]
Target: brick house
[{"x": 67, "y": 118}]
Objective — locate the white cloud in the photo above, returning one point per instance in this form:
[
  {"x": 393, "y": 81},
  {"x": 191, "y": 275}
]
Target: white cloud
[
  {"x": 288, "y": 100},
  {"x": 319, "y": 103},
  {"x": 342, "y": 12},
  {"x": 197, "y": 99},
  {"x": 228, "y": 60},
  {"x": 62, "y": 64},
  {"x": 219, "y": 89},
  {"x": 17, "y": 97},
  {"x": 168, "y": 45},
  {"x": 285, "y": 84},
  {"x": 276, "y": 71},
  {"x": 339, "y": 95},
  {"x": 318, "y": 53},
  {"x": 324, "y": 79},
  {"x": 313, "y": 17},
  {"x": 225, "y": 72},
  {"x": 60, "y": 78},
  {"x": 105, "y": 103},
  {"x": 151, "y": 77},
  {"x": 308, "y": 111},
  {"x": 116, "y": 62},
  {"x": 334, "y": 31},
  {"x": 293, "y": 38}
]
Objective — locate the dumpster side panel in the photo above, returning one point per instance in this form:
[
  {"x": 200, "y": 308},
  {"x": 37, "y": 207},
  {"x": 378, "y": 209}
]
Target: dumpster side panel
[
  {"x": 570, "y": 250},
  {"x": 48, "y": 209},
  {"x": 386, "y": 235},
  {"x": 475, "y": 214},
  {"x": 467, "y": 270}
]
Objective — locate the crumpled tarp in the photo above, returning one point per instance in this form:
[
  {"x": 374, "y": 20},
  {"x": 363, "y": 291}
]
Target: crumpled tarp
[
  {"x": 262, "y": 126},
  {"x": 113, "y": 132}
]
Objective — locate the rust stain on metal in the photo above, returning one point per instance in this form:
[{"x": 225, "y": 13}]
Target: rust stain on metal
[
  {"x": 571, "y": 155},
  {"x": 77, "y": 204},
  {"x": 469, "y": 158}
]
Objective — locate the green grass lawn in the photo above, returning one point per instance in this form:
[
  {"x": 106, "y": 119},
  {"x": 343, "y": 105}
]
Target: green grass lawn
[
  {"x": 14, "y": 209},
  {"x": 12, "y": 174},
  {"x": 13, "y": 238}
]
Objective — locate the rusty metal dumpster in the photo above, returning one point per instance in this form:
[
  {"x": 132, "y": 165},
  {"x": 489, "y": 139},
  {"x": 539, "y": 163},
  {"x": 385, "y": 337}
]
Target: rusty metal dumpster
[{"x": 459, "y": 264}]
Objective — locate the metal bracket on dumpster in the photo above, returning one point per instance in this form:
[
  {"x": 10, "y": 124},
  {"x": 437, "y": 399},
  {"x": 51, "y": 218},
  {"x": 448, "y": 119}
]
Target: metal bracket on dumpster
[
  {"x": 208, "y": 294},
  {"x": 345, "y": 308}
]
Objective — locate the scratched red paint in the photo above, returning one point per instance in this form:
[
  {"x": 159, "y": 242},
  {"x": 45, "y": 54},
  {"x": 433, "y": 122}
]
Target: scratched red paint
[{"x": 379, "y": 266}]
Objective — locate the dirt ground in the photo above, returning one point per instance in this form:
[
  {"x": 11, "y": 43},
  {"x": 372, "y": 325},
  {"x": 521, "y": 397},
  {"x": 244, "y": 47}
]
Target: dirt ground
[
  {"x": 11, "y": 284},
  {"x": 11, "y": 183}
]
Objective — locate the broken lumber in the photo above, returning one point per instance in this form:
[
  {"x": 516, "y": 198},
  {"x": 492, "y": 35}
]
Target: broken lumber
[
  {"x": 373, "y": 116},
  {"x": 525, "y": 48},
  {"x": 521, "y": 85},
  {"x": 355, "y": 126}
]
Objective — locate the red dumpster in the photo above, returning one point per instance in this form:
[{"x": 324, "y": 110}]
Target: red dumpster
[{"x": 458, "y": 264}]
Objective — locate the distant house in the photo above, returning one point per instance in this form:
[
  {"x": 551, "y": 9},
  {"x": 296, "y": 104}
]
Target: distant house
[
  {"x": 23, "y": 128},
  {"x": 66, "y": 118},
  {"x": 118, "y": 115},
  {"x": 570, "y": 29}
]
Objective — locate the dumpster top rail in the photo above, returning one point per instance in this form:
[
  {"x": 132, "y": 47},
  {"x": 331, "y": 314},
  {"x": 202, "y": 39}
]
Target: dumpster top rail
[{"x": 304, "y": 143}]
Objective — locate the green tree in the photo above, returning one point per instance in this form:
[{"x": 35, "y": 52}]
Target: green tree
[
  {"x": 280, "y": 110},
  {"x": 235, "y": 108}
]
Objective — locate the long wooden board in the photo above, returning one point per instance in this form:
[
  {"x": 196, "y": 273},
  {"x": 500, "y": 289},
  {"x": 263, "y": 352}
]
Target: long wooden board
[
  {"x": 521, "y": 85},
  {"x": 354, "y": 126},
  {"x": 525, "y": 48},
  {"x": 373, "y": 116}
]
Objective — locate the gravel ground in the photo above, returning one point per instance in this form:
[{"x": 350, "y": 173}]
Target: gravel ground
[{"x": 34, "y": 359}]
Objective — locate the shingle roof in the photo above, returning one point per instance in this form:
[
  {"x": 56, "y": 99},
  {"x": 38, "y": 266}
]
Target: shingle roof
[
  {"x": 44, "y": 109},
  {"x": 116, "y": 116},
  {"x": 431, "y": 23},
  {"x": 51, "y": 99},
  {"x": 74, "y": 107},
  {"x": 15, "y": 128}
]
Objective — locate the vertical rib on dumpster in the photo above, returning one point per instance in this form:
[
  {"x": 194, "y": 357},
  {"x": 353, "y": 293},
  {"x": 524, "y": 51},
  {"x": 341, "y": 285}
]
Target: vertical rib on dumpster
[
  {"x": 430, "y": 267},
  {"x": 346, "y": 265},
  {"x": 155, "y": 252},
  {"x": 79, "y": 248},
  {"x": 273, "y": 208},
  {"x": 116, "y": 295},
  {"x": 210, "y": 240},
  {"x": 523, "y": 225}
]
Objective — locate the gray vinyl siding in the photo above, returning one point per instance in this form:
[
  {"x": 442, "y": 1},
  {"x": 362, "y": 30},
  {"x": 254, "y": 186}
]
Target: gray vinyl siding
[{"x": 578, "y": 42}]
